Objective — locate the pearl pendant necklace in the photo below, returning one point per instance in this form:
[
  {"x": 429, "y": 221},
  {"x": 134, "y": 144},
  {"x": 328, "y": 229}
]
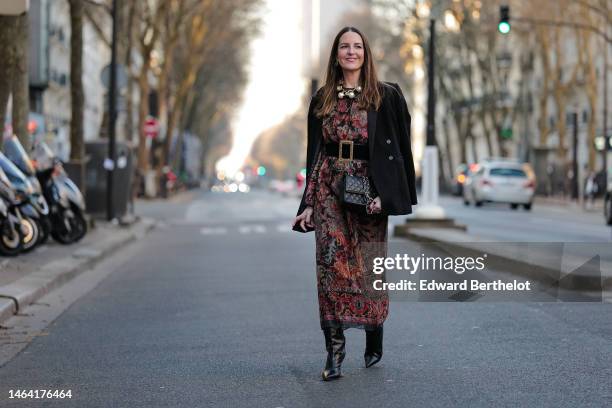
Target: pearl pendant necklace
[{"x": 350, "y": 93}]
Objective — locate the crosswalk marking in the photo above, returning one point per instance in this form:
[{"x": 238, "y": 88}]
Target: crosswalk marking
[
  {"x": 260, "y": 229},
  {"x": 247, "y": 229},
  {"x": 213, "y": 230}
]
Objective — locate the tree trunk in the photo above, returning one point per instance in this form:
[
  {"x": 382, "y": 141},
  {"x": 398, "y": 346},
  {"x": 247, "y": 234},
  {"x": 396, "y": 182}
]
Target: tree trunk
[
  {"x": 77, "y": 99},
  {"x": 21, "y": 101},
  {"x": 171, "y": 124},
  {"x": 129, "y": 100},
  {"x": 447, "y": 145},
  {"x": 7, "y": 27},
  {"x": 143, "y": 110}
]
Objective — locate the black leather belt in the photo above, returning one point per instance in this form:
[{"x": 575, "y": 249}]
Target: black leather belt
[{"x": 347, "y": 150}]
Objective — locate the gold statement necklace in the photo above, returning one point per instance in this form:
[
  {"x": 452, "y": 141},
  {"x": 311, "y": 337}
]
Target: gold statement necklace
[{"x": 350, "y": 93}]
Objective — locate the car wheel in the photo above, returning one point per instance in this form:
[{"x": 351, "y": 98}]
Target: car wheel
[
  {"x": 476, "y": 202},
  {"x": 466, "y": 202},
  {"x": 514, "y": 206},
  {"x": 527, "y": 206}
]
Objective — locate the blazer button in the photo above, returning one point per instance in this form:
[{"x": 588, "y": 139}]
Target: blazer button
[
  {"x": 388, "y": 141},
  {"x": 390, "y": 157}
]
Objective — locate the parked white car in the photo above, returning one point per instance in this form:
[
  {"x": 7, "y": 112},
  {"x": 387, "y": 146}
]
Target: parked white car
[{"x": 500, "y": 181}]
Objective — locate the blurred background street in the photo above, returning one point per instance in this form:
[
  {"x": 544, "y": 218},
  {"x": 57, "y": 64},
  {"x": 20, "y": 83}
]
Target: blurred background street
[{"x": 152, "y": 160}]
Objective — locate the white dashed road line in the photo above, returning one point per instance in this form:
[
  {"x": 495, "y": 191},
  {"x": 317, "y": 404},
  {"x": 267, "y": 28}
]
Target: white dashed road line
[{"x": 213, "y": 230}]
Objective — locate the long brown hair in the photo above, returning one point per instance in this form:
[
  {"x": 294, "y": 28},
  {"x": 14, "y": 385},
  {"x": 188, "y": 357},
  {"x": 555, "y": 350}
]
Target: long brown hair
[{"x": 370, "y": 97}]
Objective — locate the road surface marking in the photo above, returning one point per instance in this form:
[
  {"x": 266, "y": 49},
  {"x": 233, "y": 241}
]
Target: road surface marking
[{"x": 213, "y": 230}]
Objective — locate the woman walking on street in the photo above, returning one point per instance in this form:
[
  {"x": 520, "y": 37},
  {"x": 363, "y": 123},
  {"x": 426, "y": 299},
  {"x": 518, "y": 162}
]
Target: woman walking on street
[{"x": 358, "y": 129}]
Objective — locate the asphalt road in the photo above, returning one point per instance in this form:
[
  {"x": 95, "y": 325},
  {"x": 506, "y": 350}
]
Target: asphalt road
[
  {"x": 544, "y": 223},
  {"x": 217, "y": 308}
]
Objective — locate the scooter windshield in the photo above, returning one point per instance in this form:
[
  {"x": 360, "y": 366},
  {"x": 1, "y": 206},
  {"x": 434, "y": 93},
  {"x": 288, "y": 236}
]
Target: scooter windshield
[
  {"x": 3, "y": 178},
  {"x": 44, "y": 156},
  {"x": 6, "y": 188},
  {"x": 17, "y": 154},
  {"x": 12, "y": 172}
]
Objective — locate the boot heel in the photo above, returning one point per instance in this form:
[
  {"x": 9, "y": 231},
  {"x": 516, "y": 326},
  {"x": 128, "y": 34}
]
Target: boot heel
[
  {"x": 335, "y": 345},
  {"x": 373, "y": 352}
]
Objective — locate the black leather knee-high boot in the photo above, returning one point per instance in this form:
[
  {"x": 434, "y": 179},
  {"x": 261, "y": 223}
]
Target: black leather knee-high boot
[
  {"x": 373, "y": 352},
  {"x": 335, "y": 345}
]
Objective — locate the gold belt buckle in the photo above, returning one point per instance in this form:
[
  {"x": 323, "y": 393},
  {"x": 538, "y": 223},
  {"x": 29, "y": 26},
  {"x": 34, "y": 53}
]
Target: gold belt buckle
[{"x": 345, "y": 142}]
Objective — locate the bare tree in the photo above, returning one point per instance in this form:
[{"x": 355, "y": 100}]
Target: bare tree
[
  {"x": 14, "y": 73},
  {"x": 150, "y": 25},
  {"x": 77, "y": 146}
]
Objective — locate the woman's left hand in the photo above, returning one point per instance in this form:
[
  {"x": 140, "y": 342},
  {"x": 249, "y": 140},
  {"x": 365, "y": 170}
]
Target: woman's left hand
[{"x": 375, "y": 206}]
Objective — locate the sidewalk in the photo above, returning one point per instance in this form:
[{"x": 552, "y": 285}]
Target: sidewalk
[
  {"x": 570, "y": 204},
  {"x": 583, "y": 266},
  {"x": 26, "y": 278}
]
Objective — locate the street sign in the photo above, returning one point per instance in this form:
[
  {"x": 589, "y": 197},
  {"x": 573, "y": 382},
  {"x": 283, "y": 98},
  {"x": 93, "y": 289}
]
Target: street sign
[
  {"x": 151, "y": 127},
  {"x": 14, "y": 7},
  {"x": 121, "y": 76},
  {"x": 108, "y": 164}
]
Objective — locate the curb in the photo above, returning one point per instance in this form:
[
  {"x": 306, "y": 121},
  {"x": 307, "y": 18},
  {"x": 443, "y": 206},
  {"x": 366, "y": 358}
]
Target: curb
[
  {"x": 534, "y": 270},
  {"x": 25, "y": 291}
]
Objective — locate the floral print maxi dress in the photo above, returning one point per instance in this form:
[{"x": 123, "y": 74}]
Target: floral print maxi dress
[{"x": 346, "y": 241}]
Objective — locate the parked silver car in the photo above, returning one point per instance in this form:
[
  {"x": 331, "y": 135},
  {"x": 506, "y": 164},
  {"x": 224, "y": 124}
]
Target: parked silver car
[{"x": 500, "y": 181}]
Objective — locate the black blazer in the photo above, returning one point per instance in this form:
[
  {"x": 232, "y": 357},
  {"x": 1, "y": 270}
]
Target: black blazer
[{"x": 391, "y": 164}]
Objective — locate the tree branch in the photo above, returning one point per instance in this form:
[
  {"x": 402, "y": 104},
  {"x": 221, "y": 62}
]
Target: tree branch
[
  {"x": 96, "y": 25},
  {"x": 597, "y": 31}
]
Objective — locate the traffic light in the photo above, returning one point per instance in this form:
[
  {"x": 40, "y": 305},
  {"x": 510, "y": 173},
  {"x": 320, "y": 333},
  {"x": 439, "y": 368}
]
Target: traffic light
[
  {"x": 506, "y": 133},
  {"x": 504, "y": 19},
  {"x": 261, "y": 170}
]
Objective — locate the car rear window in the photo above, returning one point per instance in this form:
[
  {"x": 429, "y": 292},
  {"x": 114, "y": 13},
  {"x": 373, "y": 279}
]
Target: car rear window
[{"x": 507, "y": 172}]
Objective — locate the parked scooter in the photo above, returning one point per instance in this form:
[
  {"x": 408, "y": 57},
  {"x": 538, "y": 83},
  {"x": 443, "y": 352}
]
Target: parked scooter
[
  {"x": 23, "y": 209},
  {"x": 67, "y": 205},
  {"x": 13, "y": 149},
  {"x": 11, "y": 235}
]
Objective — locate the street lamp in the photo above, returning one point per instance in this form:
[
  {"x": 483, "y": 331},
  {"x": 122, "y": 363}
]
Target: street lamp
[
  {"x": 112, "y": 117},
  {"x": 429, "y": 209},
  {"x": 428, "y": 213}
]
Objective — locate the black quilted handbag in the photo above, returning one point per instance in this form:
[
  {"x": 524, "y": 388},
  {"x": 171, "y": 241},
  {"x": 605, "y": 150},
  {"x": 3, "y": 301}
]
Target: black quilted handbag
[{"x": 357, "y": 192}]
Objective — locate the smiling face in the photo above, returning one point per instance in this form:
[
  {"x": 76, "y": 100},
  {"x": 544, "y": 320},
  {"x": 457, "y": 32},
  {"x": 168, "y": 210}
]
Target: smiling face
[{"x": 350, "y": 51}]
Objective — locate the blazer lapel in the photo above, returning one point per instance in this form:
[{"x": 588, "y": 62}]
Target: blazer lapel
[{"x": 372, "y": 114}]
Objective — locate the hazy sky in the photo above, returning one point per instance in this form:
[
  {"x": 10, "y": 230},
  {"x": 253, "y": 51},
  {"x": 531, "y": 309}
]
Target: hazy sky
[{"x": 275, "y": 84}]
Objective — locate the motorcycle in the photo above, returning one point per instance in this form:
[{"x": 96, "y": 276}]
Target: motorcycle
[
  {"x": 11, "y": 234},
  {"x": 14, "y": 151},
  {"x": 66, "y": 203},
  {"x": 22, "y": 208}
]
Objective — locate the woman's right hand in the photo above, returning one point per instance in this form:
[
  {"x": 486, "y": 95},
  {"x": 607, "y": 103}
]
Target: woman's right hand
[{"x": 305, "y": 218}]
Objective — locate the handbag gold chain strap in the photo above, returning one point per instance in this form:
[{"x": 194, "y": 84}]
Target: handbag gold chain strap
[{"x": 368, "y": 196}]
